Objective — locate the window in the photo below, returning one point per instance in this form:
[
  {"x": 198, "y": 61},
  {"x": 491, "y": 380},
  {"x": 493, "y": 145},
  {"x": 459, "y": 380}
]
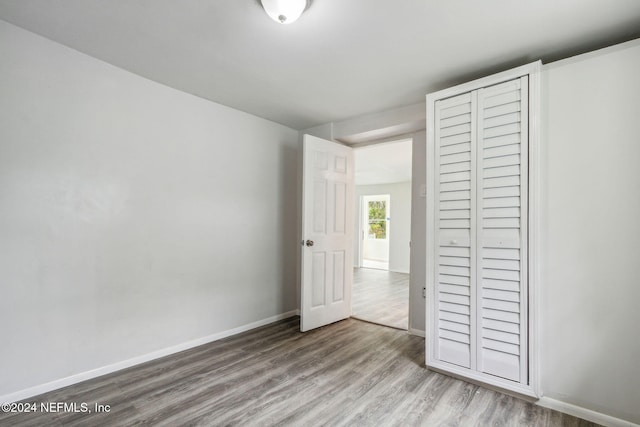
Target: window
[{"x": 377, "y": 219}]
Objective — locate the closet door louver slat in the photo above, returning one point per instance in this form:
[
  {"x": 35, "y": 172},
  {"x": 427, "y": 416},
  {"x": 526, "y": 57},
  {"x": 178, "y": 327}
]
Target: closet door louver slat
[
  {"x": 501, "y": 229},
  {"x": 455, "y": 207}
]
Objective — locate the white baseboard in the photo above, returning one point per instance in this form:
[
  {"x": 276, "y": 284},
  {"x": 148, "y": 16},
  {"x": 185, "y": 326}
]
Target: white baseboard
[
  {"x": 584, "y": 413},
  {"x": 94, "y": 373},
  {"x": 417, "y": 332}
]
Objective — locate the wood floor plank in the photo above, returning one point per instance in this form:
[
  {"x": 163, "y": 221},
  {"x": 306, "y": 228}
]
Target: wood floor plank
[
  {"x": 350, "y": 373},
  {"x": 381, "y": 296}
]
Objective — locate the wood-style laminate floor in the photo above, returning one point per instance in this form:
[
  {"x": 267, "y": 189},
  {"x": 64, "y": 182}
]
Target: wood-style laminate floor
[
  {"x": 381, "y": 296},
  {"x": 350, "y": 373}
]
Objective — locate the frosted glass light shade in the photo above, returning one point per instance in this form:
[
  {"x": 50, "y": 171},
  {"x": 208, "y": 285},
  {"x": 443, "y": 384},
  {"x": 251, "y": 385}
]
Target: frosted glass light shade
[{"x": 284, "y": 11}]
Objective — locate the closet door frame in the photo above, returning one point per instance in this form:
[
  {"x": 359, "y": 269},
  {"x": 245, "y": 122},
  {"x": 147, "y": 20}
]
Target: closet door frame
[{"x": 532, "y": 388}]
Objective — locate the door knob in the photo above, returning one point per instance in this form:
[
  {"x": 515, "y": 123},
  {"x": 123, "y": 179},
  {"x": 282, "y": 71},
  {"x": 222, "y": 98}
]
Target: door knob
[{"x": 309, "y": 243}]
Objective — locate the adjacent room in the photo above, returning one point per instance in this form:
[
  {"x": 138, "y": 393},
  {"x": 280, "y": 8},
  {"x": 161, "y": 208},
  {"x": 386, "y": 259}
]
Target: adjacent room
[
  {"x": 319, "y": 212},
  {"x": 382, "y": 233}
]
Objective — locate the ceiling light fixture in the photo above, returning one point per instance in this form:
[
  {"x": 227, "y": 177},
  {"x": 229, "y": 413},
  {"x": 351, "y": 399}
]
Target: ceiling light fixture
[{"x": 284, "y": 11}]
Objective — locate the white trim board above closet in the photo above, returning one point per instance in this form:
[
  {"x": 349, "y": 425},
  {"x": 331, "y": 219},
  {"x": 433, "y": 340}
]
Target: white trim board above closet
[{"x": 481, "y": 229}]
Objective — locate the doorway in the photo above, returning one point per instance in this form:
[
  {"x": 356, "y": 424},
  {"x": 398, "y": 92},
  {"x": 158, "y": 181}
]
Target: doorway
[{"x": 383, "y": 230}]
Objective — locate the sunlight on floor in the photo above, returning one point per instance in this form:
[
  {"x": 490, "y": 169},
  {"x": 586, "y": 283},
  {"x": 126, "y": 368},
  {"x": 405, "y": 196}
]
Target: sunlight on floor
[{"x": 379, "y": 265}]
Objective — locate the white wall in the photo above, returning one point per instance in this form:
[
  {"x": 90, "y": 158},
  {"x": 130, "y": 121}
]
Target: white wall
[
  {"x": 418, "y": 279},
  {"x": 133, "y": 217},
  {"x": 376, "y": 249},
  {"x": 399, "y": 225},
  {"x": 591, "y": 231}
]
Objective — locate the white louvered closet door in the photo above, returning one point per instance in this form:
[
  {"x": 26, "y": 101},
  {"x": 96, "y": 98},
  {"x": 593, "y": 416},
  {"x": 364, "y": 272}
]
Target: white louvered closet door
[
  {"x": 480, "y": 224},
  {"x": 455, "y": 155},
  {"x": 502, "y": 230}
]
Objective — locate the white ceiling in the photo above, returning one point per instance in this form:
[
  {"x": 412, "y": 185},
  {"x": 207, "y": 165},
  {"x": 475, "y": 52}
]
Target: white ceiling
[
  {"x": 385, "y": 163},
  {"x": 343, "y": 58}
]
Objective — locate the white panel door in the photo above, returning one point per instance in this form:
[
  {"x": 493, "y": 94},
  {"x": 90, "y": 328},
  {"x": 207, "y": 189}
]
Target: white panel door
[{"x": 327, "y": 232}]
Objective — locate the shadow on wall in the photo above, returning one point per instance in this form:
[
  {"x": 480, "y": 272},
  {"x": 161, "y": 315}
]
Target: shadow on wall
[{"x": 287, "y": 206}]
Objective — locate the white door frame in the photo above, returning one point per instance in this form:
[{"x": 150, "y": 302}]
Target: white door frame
[{"x": 388, "y": 140}]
